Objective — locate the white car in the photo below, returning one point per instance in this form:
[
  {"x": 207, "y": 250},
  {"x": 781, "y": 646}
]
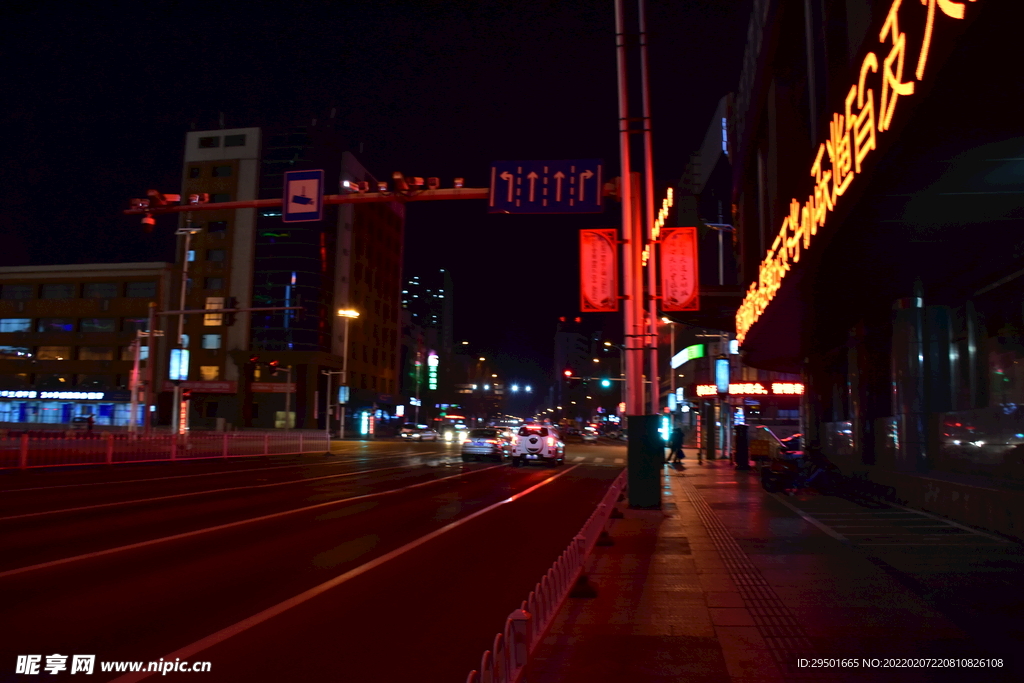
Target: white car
[
  {"x": 414, "y": 432},
  {"x": 537, "y": 443}
]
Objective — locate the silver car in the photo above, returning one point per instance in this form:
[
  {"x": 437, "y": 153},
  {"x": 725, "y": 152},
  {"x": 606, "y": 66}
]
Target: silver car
[{"x": 488, "y": 442}]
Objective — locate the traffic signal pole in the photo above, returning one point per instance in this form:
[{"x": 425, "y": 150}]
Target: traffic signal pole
[
  {"x": 652, "y": 257},
  {"x": 645, "y": 452}
]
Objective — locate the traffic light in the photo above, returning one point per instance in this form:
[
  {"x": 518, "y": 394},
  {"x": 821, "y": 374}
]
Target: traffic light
[
  {"x": 606, "y": 383},
  {"x": 567, "y": 373},
  {"x": 254, "y": 359},
  {"x": 273, "y": 365},
  {"x": 186, "y": 394}
]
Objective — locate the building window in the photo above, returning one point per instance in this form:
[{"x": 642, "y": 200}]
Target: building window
[
  {"x": 209, "y": 373},
  {"x": 10, "y": 292},
  {"x": 53, "y": 353},
  {"x": 55, "y": 325},
  {"x": 220, "y": 197},
  {"x": 193, "y": 172},
  {"x": 211, "y": 341},
  {"x": 221, "y": 171},
  {"x": 99, "y": 290},
  {"x": 234, "y": 140},
  {"x": 141, "y": 290},
  {"x": 208, "y": 143},
  {"x": 134, "y": 324},
  {"x": 96, "y": 353},
  {"x": 213, "y": 283},
  {"x": 15, "y": 352},
  {"x": 215, "y": 254},
  {"x": 15, "y": 324},
  {"x": 57, "y": 291},
  {"x": 98, "y": 325},
  {"x": 217, "y": 226},
  {"x": 53, "y": 381},
  {"x": 94, "y": 382},
  {"x": 213, "y": 303}
]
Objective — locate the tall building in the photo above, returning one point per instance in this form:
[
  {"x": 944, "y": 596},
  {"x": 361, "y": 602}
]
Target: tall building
[
  {"x": 428, "y": 298},
  {"x": 66, "y": 335},
  {"x": 250, "y": 258},
  {"x": 880, "y": 240}
]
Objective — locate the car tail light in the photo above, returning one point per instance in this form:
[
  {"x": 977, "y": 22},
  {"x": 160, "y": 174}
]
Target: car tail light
[
  {"x": 492, "y": 441},
  {"x": 551, "y": 442}
]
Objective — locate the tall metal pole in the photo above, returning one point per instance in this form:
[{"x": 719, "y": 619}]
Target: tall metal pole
[
  {"x": 181, "y": 415},
  {"x": 344, "y": 376},
  {"x": 632, "y": 305},
  {"x": 288, "y": 399},
  {"x": 652, "y": 269},
  {"x": 133, "y": 409},
  {"x": 327, "y": 409},
  {"x": 147, "y": 417}
]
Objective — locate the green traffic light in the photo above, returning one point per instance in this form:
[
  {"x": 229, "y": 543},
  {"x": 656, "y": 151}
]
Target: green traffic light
[{"x": 606, "y": 383}]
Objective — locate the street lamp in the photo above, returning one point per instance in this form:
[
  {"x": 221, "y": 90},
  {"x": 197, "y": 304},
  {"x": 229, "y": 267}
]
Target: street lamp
[{"x": 348, "y": 314}]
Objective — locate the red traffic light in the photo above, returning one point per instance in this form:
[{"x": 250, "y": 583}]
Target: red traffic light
[
  {"x": 254, "y": 359},
  {"x": 567, "y": 373},
  {"x": 274, "y": 363}
]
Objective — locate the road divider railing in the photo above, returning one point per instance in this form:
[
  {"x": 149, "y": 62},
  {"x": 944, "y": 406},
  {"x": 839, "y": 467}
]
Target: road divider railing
[
  {"x": 55, "y": 449},
  {"x": 526, "y": 626}
]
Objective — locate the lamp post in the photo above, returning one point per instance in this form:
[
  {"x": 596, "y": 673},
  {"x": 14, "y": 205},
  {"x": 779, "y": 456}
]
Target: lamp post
[
  {"x": 348, "y": 314},
  {"x": 180, "y": 410}
]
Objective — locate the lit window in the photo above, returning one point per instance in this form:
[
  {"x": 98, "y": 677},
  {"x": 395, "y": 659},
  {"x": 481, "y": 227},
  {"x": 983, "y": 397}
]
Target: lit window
[
  {"x": 53, "y": 353},
  {"x": 211, "y": 341},
  {"x": 209, "y": 373},
  {"x": 15, "y": 324},
  {"x": 95, "y": 353},
  {"x": 98, "y": 325}
]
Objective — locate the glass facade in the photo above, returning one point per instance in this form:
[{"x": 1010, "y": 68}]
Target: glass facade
[{"x": 105, "y": 414}]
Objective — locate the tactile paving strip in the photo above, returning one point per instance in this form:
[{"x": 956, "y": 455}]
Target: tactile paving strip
[{"x": 782, "y": 633}]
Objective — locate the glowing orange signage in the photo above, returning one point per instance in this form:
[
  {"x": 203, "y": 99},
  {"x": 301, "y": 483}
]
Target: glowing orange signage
[
  {"x": 680, "y": 289},
  {"x": 852, "y": 136},
  {"x": 753, "y": 389},
  {"x": 599, "y": 282}
]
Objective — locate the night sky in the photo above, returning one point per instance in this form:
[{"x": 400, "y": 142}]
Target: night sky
[{"x": 97, "y": 100}]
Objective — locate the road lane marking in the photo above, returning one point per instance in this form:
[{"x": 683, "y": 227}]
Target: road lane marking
[
  {"x": 578, "y": 458},
  {"x": 305, "y": 596},
  {"x": 99, "y": 506},
  {"x": 228, "y": 525},
  {"x": 190, "y": 476},
  {"x": 619, "y": 461},
  {"x": 598, "y": 459}
]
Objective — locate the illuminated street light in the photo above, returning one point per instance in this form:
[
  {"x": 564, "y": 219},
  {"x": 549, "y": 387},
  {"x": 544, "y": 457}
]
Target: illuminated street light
[
  {"x": 515, "y": 387},
  {"x": 348, "y": 313},
  {"x": 529, "y": 389},
  {"x": 481, "y": 359},
  {"x": 493, "y": 375},
  {"x": 487, "y": 387}
]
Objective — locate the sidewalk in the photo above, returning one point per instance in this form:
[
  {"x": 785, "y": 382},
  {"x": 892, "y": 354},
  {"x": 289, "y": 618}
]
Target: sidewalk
[{"x": 727, "y": 585}]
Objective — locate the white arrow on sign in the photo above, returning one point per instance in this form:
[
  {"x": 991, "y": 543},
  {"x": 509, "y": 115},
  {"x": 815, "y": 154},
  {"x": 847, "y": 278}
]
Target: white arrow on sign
[
  {"x": 584, "y": 176},
  {"x": 508, "y": 176},
  {"x": 533, "y": 182},
  {"x": 558, "y": 186}
]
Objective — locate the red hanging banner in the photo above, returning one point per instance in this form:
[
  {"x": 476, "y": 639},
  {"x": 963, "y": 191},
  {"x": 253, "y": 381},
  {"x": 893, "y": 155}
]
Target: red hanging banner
[
  {"x": 599, "y": 270},
  {"x": 680, "y": 289}
]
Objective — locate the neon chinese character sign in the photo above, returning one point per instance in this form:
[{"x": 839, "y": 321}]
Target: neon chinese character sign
[{"x": 852, "y": 136}]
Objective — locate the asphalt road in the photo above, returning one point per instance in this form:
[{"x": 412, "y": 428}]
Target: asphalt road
[{"x": 370, "y": 564}]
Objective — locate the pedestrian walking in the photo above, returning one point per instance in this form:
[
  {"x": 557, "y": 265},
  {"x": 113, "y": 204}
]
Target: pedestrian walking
[{"x": 675, "y": 446}]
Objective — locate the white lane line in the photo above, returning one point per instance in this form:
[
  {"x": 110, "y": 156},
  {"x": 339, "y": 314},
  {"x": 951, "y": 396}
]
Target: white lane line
[
  {"x": 229, "y": 525},
  {"x": 598, "y": 459},
  {"x": 578, "y": 458},
  {"x": 811, "y": 520},
  {"x": 175, "y": 476},
  {"x": 188, "y": 494},
  {"x": 202, "y": 474},
  {"x": 619, "y": 461},
  {"x": 305, "y": 596}
]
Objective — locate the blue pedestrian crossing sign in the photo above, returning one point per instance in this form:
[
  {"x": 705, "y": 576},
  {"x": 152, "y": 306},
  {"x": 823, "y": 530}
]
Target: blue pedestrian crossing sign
[
  {"x": 567, "y": 186},
  {"x": 303, "y": 196}
]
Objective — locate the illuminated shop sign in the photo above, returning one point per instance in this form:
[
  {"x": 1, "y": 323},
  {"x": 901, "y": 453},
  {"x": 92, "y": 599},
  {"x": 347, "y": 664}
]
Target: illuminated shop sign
[
  {"x": 688, "y": 354},
  {"x": 852, "y": 136},
  {"x": 659, "y": 223},
  {"x": 432, "y": 371},
  {"x": 67, "y": 395},
  {"x": 753, "y": 389}
]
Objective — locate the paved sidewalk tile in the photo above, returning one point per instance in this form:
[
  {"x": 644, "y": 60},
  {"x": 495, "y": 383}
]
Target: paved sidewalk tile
[{"x": 723, "y": 585}]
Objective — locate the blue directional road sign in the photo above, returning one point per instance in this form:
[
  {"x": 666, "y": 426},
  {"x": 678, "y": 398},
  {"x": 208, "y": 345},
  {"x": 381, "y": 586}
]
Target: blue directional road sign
[
  {"x": 303, "y": 196},
  {"x": 572, "y": 186}
]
